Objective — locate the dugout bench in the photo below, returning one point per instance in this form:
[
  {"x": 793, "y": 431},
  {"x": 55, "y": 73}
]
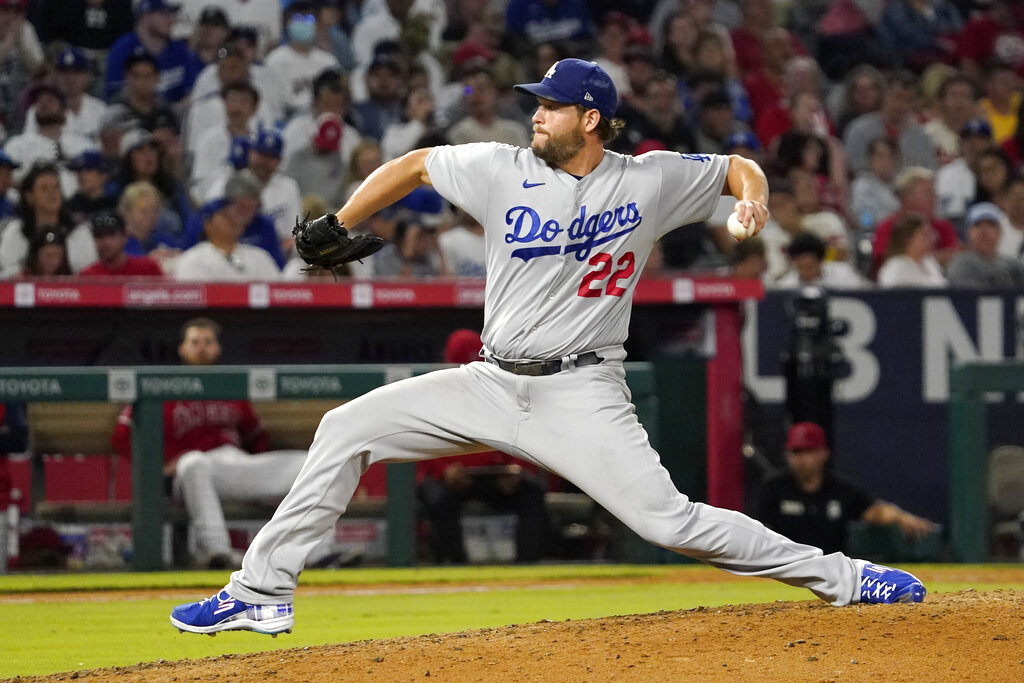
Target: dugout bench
[{"x": 148, "y": 387}]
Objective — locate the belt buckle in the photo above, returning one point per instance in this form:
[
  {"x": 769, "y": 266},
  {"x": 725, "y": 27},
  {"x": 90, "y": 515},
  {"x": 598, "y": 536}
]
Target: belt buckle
[{"x": 527, "y": 368}]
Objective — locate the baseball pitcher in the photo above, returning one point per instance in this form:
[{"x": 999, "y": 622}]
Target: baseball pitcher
[{"x": 568, "y": 227}]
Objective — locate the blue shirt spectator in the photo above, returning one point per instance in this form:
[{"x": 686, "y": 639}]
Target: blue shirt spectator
[
  {"x": 242, "y": 192},
  {"x": 920, "y": 36},
  {"x": 178, "y": 65},
  {"x": 259, "y": 232}
]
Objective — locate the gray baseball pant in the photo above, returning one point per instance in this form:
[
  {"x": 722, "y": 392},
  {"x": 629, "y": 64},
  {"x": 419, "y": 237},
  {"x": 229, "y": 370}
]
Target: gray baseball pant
[{"x": 578, "y": 423}]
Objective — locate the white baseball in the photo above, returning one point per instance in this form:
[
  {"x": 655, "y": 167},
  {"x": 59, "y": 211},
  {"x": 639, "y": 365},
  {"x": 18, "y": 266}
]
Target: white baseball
[{"x": 737, "y": 229}]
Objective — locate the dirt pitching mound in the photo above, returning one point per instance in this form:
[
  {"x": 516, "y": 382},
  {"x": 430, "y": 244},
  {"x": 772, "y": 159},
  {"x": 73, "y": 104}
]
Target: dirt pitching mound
[{"x": 951, "y": 637}]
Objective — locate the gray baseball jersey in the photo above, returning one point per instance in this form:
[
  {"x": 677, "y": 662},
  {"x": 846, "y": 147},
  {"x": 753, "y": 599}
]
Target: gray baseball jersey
[{"x": 564, "y": 255}]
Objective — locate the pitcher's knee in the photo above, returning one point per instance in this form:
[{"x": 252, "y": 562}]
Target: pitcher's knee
[
  {"x": 666, "y": 530},
  {"x": 193, "y": 465},
  {"x": 354, "y": 422}
]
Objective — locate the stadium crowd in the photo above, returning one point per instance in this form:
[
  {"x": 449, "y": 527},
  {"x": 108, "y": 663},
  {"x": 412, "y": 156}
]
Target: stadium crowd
[{"x": 182, "y": 140}]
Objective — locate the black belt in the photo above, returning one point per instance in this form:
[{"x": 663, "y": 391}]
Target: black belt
[{"x": 537, "y": 368}]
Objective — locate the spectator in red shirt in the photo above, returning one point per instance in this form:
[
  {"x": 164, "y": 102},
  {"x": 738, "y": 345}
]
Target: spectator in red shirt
[
  {"x": 216, "y": 450},
  {"x": 765, "y": 84},
  {"x": 915, "y": 188},
  {"x": 758, "y": 18},
  {"x": 499, "y": 480},
  {"x": 109, "y": 233},
  {"x": 993, "y": 35}
]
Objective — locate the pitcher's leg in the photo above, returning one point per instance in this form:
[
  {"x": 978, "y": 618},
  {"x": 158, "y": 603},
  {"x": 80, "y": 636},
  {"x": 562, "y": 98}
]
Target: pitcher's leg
[
  {"x": 419, "y": 418},
  {"x": 608, "y": 456}
]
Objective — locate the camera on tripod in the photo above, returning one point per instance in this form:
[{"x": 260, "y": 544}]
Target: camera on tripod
[{"x": 813, "y": 358}]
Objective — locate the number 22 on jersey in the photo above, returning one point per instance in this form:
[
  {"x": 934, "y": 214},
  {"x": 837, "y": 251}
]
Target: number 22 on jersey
[{"x": 605, "y": 279}]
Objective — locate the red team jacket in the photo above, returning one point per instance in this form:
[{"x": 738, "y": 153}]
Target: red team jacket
[
  {"x": 199, "y": 426},
  {"x": 135, "y": 265}
]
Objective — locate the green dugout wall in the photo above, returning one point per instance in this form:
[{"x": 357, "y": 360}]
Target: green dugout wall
[
  {"x": 967, "y": 451},
  {"x": 148, "y": 387}
]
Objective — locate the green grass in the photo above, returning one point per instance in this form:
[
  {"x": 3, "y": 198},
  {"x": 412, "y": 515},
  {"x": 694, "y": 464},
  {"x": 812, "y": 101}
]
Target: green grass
[
  {"x": 47, "y": 637},
  {"x": 43, "y": 583}
]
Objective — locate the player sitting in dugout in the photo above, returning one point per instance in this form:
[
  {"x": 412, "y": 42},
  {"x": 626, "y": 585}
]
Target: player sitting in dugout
[
  {"x": 216, "y": 450},
  {"x": 813, "y": 504}
]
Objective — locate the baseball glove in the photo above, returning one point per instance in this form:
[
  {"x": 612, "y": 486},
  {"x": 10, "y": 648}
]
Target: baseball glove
[{"x": 325, "y": 243}]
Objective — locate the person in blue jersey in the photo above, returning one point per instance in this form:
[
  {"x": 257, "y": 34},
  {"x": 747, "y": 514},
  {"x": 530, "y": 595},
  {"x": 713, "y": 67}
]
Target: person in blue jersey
[{"x": 178, "y": 65}]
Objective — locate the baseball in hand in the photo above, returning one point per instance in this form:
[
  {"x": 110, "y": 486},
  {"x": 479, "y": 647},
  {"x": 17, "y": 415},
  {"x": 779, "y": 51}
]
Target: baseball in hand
[{"x": 737, "y": 229}]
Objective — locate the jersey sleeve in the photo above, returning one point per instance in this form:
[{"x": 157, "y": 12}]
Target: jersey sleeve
[
  {"x": 690, "y": 187},
  {"x": 462, "y": 174}
]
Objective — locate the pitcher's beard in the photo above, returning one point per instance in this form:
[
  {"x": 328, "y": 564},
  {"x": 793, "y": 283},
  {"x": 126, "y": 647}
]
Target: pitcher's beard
[{"x": 559, "y": 149}]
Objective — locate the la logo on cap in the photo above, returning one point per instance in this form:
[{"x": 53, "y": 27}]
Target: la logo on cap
[{"x": 551, "y": 71}]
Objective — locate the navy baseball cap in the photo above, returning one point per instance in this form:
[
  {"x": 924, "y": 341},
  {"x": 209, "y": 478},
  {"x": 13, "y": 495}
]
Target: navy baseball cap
[
  {"x": 575, "y": 81},
  {"x": 976, "y": 127},
  {"x": 268, "y": 142},
  {"x": 72, "y": 59},
  {"x": 423, "y": 200},
  {"x": 90, "y": 159},
  {"x": 238, "y": 155},
  {"x": 147, "y": 6},
  {"x": 743, "y": 139},
  {"x": 213, "y": 16},
  {"x": 139, "y": 54},
  {"x": 212, "y": 207},
  {"x": 983, "y": 211},
  {"x": 106, "y": 223},
  {"x": 7, "y": 161}
]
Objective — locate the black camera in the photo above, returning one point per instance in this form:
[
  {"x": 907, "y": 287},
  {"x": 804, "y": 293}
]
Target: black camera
[{"x": 813, "y": 359}]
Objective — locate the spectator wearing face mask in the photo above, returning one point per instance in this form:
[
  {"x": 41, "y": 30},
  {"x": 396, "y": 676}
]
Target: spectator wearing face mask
[{"x": 298, "y": 61}]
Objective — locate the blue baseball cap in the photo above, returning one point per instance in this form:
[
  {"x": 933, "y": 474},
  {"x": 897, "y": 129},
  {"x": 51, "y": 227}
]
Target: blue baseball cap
[
  {"x": 6, "y": 160},
  {"x": 72, "y": 59},
  {"x": 147, "y": 6},
  {"x": 743, "y": 139},
  {"x": 90, "y": 159},
  {"x": 983, "y": 211},
  {"x": 976, "y": 127},
  {"x": 268, "y": 142},
  {"x": 575, "y": 81},
  {"x": 238, "y": 154},
  {"x": 423, "y": 200},
  {"x": 207, "y": 211}
]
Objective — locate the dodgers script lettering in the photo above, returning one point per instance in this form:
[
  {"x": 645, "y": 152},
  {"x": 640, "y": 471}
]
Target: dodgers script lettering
[{"x": 585, "y": 231}]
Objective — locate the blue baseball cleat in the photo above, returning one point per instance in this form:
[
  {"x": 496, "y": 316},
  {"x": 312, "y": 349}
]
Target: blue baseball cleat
[
  {"x": 225, "y": 613},
  {"x": 881, "y": 584}
]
